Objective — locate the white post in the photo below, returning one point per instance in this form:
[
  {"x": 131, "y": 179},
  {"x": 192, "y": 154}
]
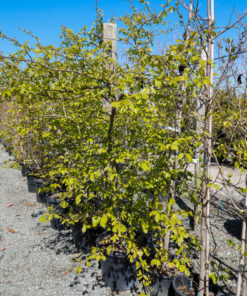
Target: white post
[
  {"x": 204, "y": 260},
  {"x": 200, "y": 108},
  {"x": 110, "y": 34},
  {"x": 110, "y": 37}
]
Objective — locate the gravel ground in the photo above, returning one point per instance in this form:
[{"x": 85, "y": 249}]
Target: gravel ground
[
  {"x": 37, "y": 260},
  {"x": 225, "y": 224}
]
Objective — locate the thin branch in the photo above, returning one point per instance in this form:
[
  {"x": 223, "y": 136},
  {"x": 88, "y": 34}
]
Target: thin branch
[
  {"x": 191, "y": 11},
  {"x": 232, "y": 25}
]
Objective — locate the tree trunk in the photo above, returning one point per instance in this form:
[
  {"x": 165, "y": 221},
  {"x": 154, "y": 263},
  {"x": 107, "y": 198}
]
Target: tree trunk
[
  {"x": 242, "y": 264},
  {"x": 204, "y": 261}
]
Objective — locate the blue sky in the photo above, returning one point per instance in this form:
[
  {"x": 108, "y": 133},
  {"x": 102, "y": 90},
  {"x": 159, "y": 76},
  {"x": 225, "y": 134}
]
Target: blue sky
[{"x": 45, "y": 18}]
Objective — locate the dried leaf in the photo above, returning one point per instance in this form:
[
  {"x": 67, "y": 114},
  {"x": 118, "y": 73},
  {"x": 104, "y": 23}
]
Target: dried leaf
[
  {"x": 9, "y": 205},
  {"x": 2, "y": 249},
  {"x": 11, "y": 230},
  {"x": 31, "y": 204},
  {"x": 69, "y": 270}
]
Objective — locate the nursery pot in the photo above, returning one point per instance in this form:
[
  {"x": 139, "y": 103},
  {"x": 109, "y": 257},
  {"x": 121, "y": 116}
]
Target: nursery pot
[
  {"x": 31, "y": 185},
  {"x": 161, "y": 285},
  {"x": 117, "y": 272},
  {"x": 40, "y": 196},
  {"x": 55, "y": 222},
  {"x": 85, "y": 241},
  {"x": 182, "y": 280},
  {"x": 24, "y": 170}
]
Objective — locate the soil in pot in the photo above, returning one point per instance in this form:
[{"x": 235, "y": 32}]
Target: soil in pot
[
  {"x": 85, "y": 241},
  {"x": 117, "y": 272},
  {"x": 183, "y": 286}
]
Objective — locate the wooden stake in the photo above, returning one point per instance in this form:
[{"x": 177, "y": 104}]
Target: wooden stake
[
  {"x": 204, "y": 260},
  {"x": 200, "y": 107},
  {"x": 242, "y": 263},
  {"x": 110, "y": 34}
]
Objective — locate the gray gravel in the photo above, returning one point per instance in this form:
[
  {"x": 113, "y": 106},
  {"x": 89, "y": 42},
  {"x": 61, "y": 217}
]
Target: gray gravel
[
  {"x": 225, "y": 224},
  {"x": 36, "y": 260}
]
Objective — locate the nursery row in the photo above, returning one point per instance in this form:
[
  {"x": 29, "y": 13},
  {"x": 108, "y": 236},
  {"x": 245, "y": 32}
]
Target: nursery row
[
  {"x": 110, "y": 146},
  {"x": 118, "y": 272}
]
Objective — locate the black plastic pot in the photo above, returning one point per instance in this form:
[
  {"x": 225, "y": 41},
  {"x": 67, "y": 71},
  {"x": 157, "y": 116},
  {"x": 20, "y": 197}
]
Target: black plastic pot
[
  {"x": 31, "y": 185},
  {"x": 182, "y": 280},
  {"x": 24, "y": 170},
  {"x": 117, "y": 272},
  {"x": 56, "y": 223},
  {"x": 161, "y": 286},
  {"x": 41, "y": 195},
  {"x": 85, "y": 241},
  {"x": 9, "y": 151}
]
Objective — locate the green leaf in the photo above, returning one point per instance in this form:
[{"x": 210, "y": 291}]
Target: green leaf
[
  {"x": 216, "y": 186},
  {"x": 43, "y": 219},
  {"x": 157, "y": 217},
  {"x": 78, "y": 200},
  {"x": 158, "y": 83},
  {"x": 103, "y": 221},
  {"x": 95, "y": 221},
  {"x": 189, "y": 157},
  {"x": 64, "y": 204},
  {"x": 91, "y": 177},
  {"x": 213, "y": 277},
  {"x": 84, "y": 228},
  {"x": 145, "y": 166}
]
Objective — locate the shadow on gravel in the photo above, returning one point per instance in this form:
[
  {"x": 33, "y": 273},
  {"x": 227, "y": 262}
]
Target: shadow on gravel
[
  {"x": 61, "y": 242},
  {"x": 234, "y": 227},
  {"x": 224, "y": 209},
  {"x": 38, "y": 213}
]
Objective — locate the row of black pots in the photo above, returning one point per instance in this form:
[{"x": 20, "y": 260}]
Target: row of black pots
[
  {"x": 35, "y": 185},
  {"x": 117, "y": 272},
  {"x": 121, "y": 275}
]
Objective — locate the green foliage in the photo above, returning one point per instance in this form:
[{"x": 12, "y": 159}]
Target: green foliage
[
  {"x": 230, "y": 132},
  {"x": 105, "y": 142}
]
